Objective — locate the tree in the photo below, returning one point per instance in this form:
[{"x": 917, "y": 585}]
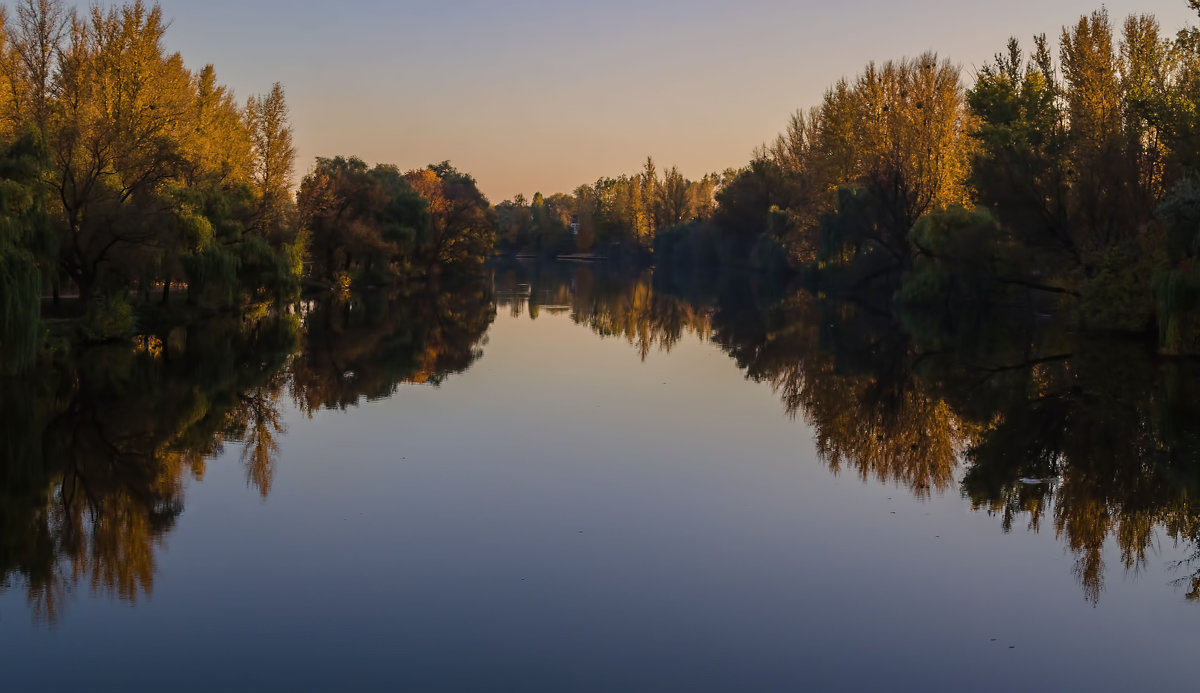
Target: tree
[
  {"x": 1020, "y": 169},
  {"x": 368, "y": 223},
  {"x": 41, "y": 27},
  {"x": 462, "y": 229},
  {"x": 673, "y": 199},
  {"x": 24, "y": 250},
  {"x": 1092, "y": 93},
  {"x": 898, "y": 134},
  {"x": 274, "y": 157},
  {"x": 123, "y": 108},
  {"x": 223, "y": 146}
]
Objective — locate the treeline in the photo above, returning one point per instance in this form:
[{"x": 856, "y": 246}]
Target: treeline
[
  {"x": 125, "y": 176},
  {"x": 614, "y": 217},
  {"x": 1066, "y": 176}
]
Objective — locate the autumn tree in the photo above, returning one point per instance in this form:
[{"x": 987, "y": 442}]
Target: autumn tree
[
  {"x": 462, "y": 228},
  {"x": 40, "y": 30},
  {"x": 911, "y": 151},
  {"x": 274, "y": 157},
  {"x": 123, "y": 106},
  {"x": 369, "y": 224},
  {"x": 1093, "y": 98}
]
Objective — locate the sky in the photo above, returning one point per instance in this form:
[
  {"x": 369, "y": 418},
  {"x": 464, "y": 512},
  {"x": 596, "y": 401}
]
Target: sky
[{"x": 540, "y": 96}]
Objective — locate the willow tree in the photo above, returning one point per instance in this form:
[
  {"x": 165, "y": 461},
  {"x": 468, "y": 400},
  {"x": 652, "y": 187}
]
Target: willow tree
[{"x": 23, "y": 232}]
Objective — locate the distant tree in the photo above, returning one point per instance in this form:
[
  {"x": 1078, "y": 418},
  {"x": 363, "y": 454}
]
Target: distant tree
[{"x": 673, "y": 199}]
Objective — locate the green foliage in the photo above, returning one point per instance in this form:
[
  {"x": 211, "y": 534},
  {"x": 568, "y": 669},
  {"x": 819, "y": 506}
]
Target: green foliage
[
  {"x": 1177, "y": 310},
  {"x": 858, "y": 250},
  {"x": 20, "y": 309},
  {"x": 1180, "y": 211},
  {"x": 366, "y": 222},
  {"x": 265, "y": 272},
  {"x": 195, "y": 230},
  {"x": 212, "y": 276},
  {"x": 26, "y": 251},
  {"x": 107, "y": 318},
  {"x": 957, "y": 258},
  {"x": 744, "y": 203},
  {"x": 1020, "y": 168},
  {"x": 1118, "y": 293}
]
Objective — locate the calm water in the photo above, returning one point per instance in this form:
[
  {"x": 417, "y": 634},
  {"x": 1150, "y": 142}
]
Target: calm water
[{"x": 568, "y": 479}]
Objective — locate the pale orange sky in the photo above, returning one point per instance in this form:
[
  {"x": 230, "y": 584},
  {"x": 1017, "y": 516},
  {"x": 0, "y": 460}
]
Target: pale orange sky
[{"x": 542, "y": 96}]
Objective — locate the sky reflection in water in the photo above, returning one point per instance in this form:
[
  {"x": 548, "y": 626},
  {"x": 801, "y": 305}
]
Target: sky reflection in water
[{"x": 568, "y": 512}]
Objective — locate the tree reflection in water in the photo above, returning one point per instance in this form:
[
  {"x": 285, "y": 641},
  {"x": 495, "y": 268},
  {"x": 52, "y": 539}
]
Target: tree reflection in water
[
  {"x": 1095, "y": 439},
  {"x": 1035, "y": 422},
  {"x": 97, "y": 449},
  {"x": 1100, "y": 435}
]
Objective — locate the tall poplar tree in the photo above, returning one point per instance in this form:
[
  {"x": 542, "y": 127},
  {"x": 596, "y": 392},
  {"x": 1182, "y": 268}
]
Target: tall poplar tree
[{"x": 274, "y": 156}]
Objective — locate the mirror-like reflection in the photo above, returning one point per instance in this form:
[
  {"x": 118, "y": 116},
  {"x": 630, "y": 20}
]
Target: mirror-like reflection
[
  {"x": 367, "y": 346},
  {"x": 1091, "y": 439},
  {"x": 97, "y": 449},
  {"x": 612, "y": 302},
  {"x": 1095, "y": 441}
]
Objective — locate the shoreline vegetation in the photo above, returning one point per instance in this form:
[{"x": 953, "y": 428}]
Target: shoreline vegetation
[
  {"x": 127, "y": 179},
  {"x": 1062, "y": 179}
]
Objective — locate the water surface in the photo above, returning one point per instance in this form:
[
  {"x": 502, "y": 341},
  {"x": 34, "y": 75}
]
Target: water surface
[{"x": 569, "y": 478}]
